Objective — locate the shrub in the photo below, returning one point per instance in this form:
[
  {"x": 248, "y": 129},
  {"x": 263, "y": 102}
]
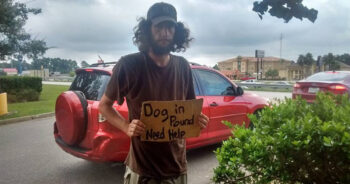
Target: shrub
[
  {"x": 23, "y": 96},
  {"x": 21, "y": 88},
  {"x": 2, "y": 73},
  {"x": 293, "y": 142},
  {"x": 71, "y": 74}
]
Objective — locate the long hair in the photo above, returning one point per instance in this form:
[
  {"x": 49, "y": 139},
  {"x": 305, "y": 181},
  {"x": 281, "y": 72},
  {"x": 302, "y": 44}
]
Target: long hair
[{"x": 143, "y": 40}]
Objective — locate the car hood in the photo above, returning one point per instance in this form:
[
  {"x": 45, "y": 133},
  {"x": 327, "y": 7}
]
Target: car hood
[{"x": 254, "y": 98}]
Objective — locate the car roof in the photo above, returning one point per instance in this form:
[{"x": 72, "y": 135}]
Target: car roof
[
  {"x": 108, "y": 67},
  {"x": 347, "y": 72}
]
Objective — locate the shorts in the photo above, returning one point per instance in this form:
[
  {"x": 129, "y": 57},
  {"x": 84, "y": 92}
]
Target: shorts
[{"x": 131, "y": 177}]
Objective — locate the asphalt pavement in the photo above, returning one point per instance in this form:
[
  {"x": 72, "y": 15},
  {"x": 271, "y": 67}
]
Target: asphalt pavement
[{"x": 29, "y": 155}]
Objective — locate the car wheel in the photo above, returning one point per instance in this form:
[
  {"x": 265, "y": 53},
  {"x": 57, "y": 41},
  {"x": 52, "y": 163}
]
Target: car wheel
[{"x": 71, "y": 116}]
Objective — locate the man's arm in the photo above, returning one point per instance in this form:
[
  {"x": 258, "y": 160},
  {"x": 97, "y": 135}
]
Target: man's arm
[{"x": 135, "y": 128}]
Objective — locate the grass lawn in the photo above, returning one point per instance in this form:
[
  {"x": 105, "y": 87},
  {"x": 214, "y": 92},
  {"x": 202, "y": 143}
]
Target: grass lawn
[{"x": 44, "y": 105}]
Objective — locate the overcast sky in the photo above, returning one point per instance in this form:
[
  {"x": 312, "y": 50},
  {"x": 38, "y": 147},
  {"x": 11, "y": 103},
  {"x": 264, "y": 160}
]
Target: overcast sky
[{"x": 223, "y": 29}]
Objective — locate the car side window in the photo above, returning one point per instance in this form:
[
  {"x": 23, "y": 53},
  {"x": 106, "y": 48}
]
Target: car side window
[
  {"x": 213, "y": 84},
  {"x": 195, "y": 86}
]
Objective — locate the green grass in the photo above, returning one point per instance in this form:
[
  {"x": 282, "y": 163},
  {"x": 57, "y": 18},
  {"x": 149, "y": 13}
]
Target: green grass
[{"x": 46, "y": 103}]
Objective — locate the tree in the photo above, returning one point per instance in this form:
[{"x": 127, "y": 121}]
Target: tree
[
  {"x": 55, "y": 64},
  {"x": 216, "y": 67},
  {"x": 84, "y": 64},
  {"x": 14, "y": 41},
  {"x": 306, "y": 62},
  {"x": 285, "y": 9},
  {"x": 301, "y": 60},
  {"x": 272, "y": 73},
  {"x": 345, "y": 58},
  {"x": 330, "y": 61},
  {"x": 309, "y": 59}
]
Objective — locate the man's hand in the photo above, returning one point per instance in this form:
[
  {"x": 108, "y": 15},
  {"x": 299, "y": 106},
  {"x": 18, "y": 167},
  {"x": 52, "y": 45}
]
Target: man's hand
[
  {"x": 203, "y": 121},
  {"x": 135, "y": 128}
]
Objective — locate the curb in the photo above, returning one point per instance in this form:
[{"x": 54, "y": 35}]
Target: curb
[{"x": 26, "y": 118}]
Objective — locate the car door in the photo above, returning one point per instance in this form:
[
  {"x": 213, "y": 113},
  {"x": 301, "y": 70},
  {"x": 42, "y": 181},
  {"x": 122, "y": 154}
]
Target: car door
[
  {"x": 201, "y": 140},
  {"x": 222, "y": 105}
]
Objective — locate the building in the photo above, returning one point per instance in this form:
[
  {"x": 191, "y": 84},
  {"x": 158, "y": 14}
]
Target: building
[
  {"x": 242, "y": 67},
  {"x": 247, "y": 66},
  {"x": 10, "y": 71}
]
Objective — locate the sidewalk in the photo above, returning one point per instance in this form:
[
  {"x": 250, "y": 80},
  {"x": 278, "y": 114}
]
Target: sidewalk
[
  {"x": 57, "y": 83},
  {"x": 26, "y": 118}
]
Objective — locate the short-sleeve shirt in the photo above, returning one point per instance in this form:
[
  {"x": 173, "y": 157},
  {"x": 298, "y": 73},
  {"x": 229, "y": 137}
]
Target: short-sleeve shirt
[{"x": 137, "y": 78}]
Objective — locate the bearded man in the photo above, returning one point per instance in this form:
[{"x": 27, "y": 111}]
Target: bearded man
[{"x": 153, "y": 74}]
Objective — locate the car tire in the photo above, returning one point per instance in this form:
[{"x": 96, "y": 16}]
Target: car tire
[{"x": 71, "y": 116}]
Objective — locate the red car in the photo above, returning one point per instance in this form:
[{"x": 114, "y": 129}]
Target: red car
[
  {"x": 336, "y": 82},
  {"x": 83, "y": 132}
]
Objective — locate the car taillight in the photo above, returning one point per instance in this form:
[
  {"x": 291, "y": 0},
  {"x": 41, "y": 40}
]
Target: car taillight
[
  {"x": 296, "y": 85},
  {"x": 338, "y": 87},
  {"x": 89, "y": 70}
]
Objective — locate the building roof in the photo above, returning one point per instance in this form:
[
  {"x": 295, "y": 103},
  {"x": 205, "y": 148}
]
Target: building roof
[{"x": 247, "y": 58}]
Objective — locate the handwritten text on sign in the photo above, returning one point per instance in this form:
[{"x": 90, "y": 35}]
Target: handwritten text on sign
[{"x": 170, "y": 120}]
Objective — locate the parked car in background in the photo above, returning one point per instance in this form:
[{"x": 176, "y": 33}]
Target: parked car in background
[
  {"x": 83, "y": 132},
  {"x": 336, "y": 82},
  {"x": 281, "y": 85},
  {"x": 251, "y": 81}
]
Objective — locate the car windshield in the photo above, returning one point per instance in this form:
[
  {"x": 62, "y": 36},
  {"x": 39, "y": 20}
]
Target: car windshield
[
  {"x": 327, "y": 76},
  {"x": 92, "y": 84}
]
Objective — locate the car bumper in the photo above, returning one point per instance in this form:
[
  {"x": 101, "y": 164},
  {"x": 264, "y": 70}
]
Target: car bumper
[{"x": 106, "y": 147}]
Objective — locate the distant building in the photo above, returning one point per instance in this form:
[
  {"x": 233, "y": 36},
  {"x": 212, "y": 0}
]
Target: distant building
[
  {"x": 10, "y": 71},
  {"x": 242, "y": 67}
]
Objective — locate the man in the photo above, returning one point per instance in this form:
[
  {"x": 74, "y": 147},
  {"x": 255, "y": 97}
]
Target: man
[{"x": 153, "y": 74}]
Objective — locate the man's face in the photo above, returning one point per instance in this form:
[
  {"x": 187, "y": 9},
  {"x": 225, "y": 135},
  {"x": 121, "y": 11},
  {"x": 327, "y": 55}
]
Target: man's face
[{"x": 162, "y": 37}]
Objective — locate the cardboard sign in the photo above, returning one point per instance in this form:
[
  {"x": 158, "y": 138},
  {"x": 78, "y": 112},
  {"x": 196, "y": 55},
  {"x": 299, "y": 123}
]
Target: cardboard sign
[{"x": 170, "y": 120}]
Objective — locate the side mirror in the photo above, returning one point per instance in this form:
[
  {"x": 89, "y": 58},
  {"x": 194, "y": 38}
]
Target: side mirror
[
  {"x": 229, "y": 91},
  {"x": 240, "y": 91}
]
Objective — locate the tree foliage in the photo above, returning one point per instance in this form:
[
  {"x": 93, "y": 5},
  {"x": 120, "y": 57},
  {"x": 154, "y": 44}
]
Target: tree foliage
[
  {"x": 272, "y": 73},
  {"x": 344, "y": 58},
  {"x": 84, "y": 64},
  {"x": 292, "y": 142},
  {"x": 306, "y": 60},
  {"x": 216, "y": 67},
  {"x": 285, "y": 9},
  {"x": 13, "y": 38},
  {"x": 55, "y": 64},
  {"x": 330, "y": 61}
]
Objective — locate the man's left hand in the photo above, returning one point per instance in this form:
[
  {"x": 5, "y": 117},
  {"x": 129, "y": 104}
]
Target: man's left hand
[{"x": 203, "y": 121}]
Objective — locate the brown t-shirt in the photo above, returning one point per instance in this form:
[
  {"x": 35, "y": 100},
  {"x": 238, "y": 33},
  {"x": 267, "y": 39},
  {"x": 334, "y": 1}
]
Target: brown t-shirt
[{"x": 137, "y": 78}]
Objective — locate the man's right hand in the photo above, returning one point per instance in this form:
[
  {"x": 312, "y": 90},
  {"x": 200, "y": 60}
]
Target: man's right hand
[{"x": 135, "y": 128}]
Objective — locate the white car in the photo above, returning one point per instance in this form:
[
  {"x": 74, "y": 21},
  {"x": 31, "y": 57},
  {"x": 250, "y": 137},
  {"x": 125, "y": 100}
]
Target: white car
[{"x": 251, "y": 81}]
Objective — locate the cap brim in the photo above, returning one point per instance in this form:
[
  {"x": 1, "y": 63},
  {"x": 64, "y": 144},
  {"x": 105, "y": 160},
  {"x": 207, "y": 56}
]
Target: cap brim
[{"x": 158, "y": 20}]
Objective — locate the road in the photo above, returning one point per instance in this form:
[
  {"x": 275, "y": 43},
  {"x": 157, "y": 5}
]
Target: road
[
  {"x": 272, "y": 95},
  {"x": 29, "y": 155}
]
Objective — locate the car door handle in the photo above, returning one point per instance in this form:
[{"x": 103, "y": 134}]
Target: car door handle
[{"x": 214, "y": 104}]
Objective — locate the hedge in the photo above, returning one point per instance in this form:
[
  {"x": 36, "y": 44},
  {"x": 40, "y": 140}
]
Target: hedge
[
  {"x": 21, "y": 88},
  {"x": 293, "y": 142}
]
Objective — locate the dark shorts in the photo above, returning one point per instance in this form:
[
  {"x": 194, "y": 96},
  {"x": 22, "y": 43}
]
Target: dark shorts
[{"x": 131, "y": 177}]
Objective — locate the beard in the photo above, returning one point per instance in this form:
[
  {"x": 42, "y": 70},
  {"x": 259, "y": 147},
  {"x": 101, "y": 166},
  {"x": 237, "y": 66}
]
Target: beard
[{"x": 161, "y": 50}]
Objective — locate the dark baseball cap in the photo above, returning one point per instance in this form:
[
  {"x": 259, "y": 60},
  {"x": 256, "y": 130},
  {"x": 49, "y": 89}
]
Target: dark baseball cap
[{"x": 160, "y": 12}]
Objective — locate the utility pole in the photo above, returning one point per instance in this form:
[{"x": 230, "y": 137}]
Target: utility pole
[{"x": 281, "y": 38}]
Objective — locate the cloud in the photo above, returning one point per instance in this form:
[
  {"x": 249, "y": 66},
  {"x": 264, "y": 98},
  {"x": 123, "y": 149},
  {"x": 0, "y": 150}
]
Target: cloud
[{"x": 222, "y": 29}]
